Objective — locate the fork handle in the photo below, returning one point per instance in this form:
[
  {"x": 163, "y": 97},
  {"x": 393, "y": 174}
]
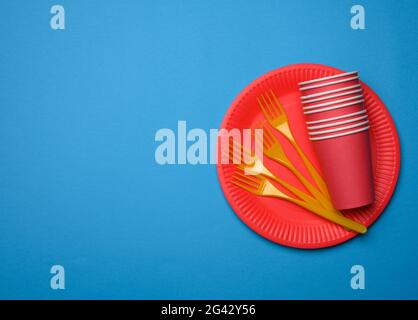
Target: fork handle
[
  {"x": 324, "y": 200},
  {"x": 312, "y": 170},
  {"x": 331, "y": 216},
  {"x": 302, "y": 195}
]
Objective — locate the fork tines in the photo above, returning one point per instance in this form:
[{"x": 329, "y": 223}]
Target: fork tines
[
  {"x": 248, "y": 182},
  {"x": 270, "y": 105}
]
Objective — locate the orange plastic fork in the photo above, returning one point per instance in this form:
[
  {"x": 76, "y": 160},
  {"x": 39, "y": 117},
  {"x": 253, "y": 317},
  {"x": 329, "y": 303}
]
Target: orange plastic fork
[
  {"x": 276, "y": 116},
  {"x": 274, "y": 150},
  {"x": 260, "y": 186},
  {"x": 256, "y": 167}
]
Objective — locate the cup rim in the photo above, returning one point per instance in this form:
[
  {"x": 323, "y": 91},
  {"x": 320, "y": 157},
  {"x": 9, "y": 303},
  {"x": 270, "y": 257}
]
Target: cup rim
[
  {"x": 332, "y": 102},
  {"x": 334, "y": 107},
  {"x": 332, "y": 96},
  {"x": 351, "y": 126},
  {"x": 316, "y": 86},
  {"x": 337, "y": 117},
  {"x": 332, "y": 124},
  {"x": 330, "y": 91},
  {"x": 327, "y": 78},
  {"x": 337, "y": 135}
]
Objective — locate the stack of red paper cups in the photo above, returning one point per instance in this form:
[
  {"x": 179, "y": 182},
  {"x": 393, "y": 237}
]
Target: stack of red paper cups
[{"x": 338, "y": 126}]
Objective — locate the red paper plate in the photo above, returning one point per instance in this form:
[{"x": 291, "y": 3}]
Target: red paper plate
[{"x": 279, "y": 220}]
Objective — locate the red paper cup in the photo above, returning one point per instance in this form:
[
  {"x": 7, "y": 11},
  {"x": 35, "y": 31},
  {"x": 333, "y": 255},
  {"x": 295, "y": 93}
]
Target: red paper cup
[{"x": 338, "y": 126}]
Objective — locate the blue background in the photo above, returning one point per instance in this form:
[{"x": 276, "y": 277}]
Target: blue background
[{"x": 79, "y": 185}]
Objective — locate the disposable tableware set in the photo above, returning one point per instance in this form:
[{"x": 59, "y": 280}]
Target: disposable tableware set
[{"x": 337, "y": 124}]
